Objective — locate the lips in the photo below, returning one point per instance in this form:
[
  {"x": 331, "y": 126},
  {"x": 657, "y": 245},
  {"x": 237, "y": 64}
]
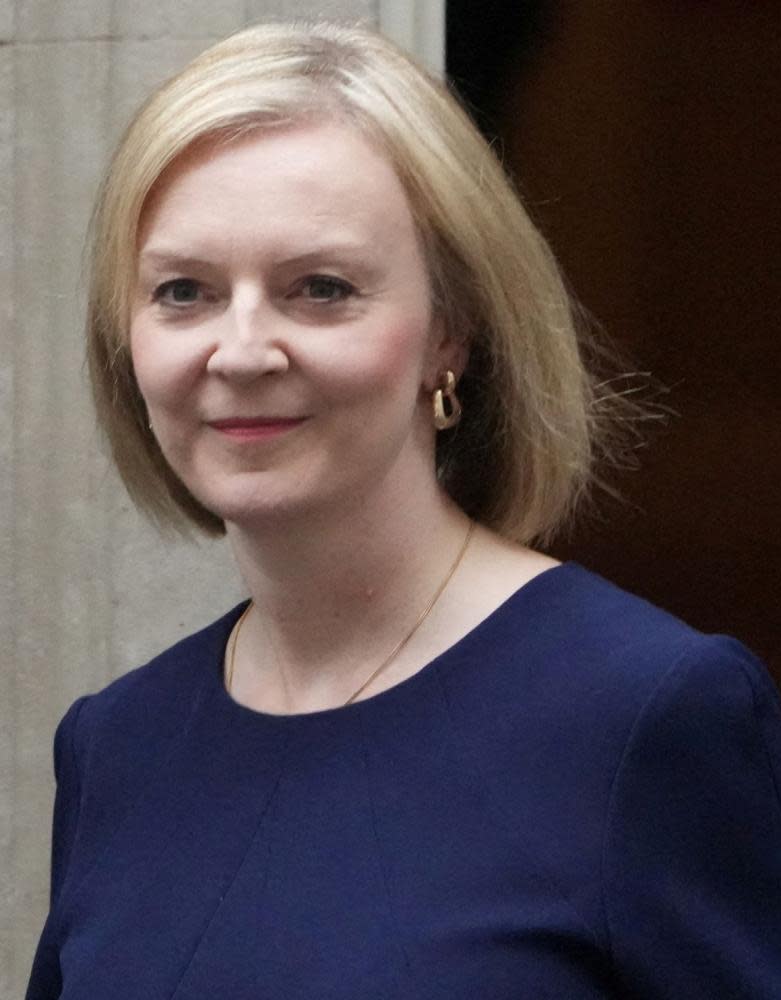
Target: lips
[{"x": 255, "y": 427}]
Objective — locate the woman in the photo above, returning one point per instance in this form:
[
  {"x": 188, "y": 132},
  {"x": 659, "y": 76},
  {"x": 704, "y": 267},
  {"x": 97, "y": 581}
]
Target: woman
[{"x": 424, "y": 760}]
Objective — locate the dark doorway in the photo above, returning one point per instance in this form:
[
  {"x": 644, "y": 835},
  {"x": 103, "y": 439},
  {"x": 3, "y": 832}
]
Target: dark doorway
[{"x": 646, "y": 139}]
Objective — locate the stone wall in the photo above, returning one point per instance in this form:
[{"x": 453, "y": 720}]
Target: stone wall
[{"x": 88, "y": 590}]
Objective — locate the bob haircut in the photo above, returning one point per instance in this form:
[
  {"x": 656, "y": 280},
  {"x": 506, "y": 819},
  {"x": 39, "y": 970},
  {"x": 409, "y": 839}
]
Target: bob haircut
[{"x": 523, "y": 453}]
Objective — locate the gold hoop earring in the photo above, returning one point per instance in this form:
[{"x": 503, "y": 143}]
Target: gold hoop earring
[{"x": 446, "y": 416}]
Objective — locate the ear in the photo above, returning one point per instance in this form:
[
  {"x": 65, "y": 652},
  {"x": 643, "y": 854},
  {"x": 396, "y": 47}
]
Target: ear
[{"x": 445, "y": 353}]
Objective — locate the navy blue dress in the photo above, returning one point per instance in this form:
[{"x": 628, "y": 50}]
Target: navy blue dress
[{"x": 578, "y": 800}]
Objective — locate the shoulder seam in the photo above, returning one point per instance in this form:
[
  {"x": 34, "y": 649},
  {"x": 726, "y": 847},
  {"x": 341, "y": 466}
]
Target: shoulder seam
[
  {"x": 641, "y": 713},
  {"x": 194, "y": 708},
  {"x": 773, "y": 776},
  {"x": 76, "y": 708}
]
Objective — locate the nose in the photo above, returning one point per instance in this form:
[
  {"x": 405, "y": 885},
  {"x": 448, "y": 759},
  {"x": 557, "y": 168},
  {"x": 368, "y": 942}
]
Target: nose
[{"x": 249, "y": 343}]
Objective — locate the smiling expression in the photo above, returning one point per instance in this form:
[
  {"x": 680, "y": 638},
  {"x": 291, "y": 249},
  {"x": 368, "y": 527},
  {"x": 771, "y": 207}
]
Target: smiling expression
[{"x": 282, "y": 334}]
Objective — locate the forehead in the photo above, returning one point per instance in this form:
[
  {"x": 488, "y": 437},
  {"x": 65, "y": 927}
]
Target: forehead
[{"x": 291, "y": 183}]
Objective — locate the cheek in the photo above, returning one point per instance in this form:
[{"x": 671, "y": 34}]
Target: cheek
[
  {"x": 368, "y": 364},
  {"x": 401, "y": 363},
  {"x": 165, "y": 370}
]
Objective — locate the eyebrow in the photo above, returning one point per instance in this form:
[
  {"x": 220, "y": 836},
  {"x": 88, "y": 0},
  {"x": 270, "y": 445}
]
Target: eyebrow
[
  {"x": 354, "y": 252},
  {"x": 169, "y": 258}
]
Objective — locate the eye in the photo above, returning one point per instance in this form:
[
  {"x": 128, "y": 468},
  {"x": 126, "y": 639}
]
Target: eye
[
  {"x": 325, "y": 288},
  {"x": 179, "y": 292}
]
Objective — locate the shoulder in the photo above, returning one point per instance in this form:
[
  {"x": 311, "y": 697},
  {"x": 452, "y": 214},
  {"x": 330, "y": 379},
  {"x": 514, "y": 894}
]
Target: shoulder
[
  {"x": 109, "y": 744},
  {"x": 156, "y": 699},
  {"x": 596, "y": 637},
  {"x": 711, "y": 721},
  {"x": 636, "y": 690},
  {"x": 693, "y": 828},
  {"x": 572, "y": 662},
  {"x": 618, "y": 738}
]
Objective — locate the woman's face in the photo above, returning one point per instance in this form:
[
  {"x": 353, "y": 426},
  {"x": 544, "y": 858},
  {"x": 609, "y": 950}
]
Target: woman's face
[{"x": 282, "y": 333}]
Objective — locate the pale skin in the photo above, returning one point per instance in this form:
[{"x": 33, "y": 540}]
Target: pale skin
[{"x": 281, "y": 280}]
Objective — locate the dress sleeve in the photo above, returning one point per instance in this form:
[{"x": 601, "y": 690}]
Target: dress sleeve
[
  {"x": 45, "y": 981},
  {"x": 692, "y": 852}
]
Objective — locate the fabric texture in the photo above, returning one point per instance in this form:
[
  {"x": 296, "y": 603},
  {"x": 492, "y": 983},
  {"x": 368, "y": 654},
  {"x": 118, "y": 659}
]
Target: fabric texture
[{"x": 579, "y": 799}]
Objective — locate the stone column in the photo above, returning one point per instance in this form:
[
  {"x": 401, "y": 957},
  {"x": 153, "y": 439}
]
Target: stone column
[{"x": 88, "y": 590}]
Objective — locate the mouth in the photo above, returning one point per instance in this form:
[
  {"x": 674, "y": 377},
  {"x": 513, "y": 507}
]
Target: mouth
[{"x": 255, "y": 428}]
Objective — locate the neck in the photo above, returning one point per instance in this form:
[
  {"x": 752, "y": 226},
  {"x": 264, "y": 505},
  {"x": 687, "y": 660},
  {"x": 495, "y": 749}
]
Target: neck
[{"x": 334, "y": 593}]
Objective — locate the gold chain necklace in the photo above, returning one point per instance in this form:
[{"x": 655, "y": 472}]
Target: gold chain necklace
[{"x": 396, "y": 649}]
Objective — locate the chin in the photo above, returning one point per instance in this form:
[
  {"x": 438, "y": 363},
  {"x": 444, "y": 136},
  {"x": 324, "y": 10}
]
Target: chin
[
  {"x": 254, "y": 510},
  {"x": 255, "y": 503}
]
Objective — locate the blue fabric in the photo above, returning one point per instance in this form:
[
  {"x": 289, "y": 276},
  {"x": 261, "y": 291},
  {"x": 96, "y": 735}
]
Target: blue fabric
[{"x": 578, "y": 800}]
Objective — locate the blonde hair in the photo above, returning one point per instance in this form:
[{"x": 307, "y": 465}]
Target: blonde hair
[{"x": 522, "y": 456}]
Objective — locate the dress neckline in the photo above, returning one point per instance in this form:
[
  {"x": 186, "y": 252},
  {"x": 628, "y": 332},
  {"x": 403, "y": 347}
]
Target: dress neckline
[{"x": 534, "y": 590}]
